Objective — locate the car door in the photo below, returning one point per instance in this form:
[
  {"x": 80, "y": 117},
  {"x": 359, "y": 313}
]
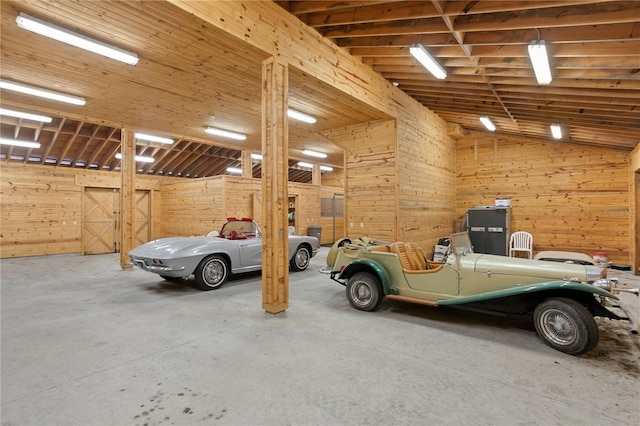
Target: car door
[
  {"x": 250, "y": 252},
  {"x": 435, "y": 284}
]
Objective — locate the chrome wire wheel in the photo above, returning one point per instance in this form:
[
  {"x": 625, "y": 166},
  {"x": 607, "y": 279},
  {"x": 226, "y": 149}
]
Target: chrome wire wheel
[
  {"x": 566, "y": 325},
  {"x": 558, "y": 327}
]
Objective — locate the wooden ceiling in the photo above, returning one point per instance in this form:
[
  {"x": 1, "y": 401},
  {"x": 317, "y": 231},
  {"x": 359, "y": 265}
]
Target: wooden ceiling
[
  {"x": 191, "y": 75},
  {"x": 594, "y": 55}
]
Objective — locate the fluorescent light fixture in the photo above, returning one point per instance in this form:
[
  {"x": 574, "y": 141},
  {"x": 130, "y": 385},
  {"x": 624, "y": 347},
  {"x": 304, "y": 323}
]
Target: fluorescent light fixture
[
  {"x": 326, "y": 168},
  {"x": 421, "y": 54},
  {"x": 25, "y": 115},
  {"x": 152, "y": 138},
  {"x": 488, "y": 123},
  {"x": 540, "y": 61},
  {"x": 256, "y": 156},
  {"x": 306, "y": 165},
  {"x": 139, "y": 158},
  {"x": 43, "y": 93},
  {"x": 556, "y": 131},
  {"x": 235, "y": 170},
  {"x": 64, "y": 35},
  {"x": 314, "y": 153},
  {"x": 301, "y": 116},
  {"x": 15, "y": 142},
  {"x": 225, "y": 133}
]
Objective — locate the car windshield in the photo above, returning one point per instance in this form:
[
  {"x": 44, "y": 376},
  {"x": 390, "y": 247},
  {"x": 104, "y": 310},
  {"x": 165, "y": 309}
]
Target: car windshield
[
  {"x": 239, "y": 229},
  {"x": 461, "y": 244}
]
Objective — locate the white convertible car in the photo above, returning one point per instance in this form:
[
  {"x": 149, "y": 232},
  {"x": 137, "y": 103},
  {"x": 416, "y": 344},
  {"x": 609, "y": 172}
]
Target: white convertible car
[{"x": 236, "y": 248}]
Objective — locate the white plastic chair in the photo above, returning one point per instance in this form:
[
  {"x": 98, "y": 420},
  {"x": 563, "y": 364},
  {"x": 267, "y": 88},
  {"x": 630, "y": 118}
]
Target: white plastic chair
[
  {"x": 292, "y": 230},
  {"x": 521, "y": 241}
]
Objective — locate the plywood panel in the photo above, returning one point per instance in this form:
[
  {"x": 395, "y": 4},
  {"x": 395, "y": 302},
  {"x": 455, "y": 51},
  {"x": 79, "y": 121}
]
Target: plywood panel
[{"x": 569, "y": 197}]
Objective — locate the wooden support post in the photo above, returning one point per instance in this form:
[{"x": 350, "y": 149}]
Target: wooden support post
[
  {"x": 127, "y": 196},
  {"x": 275, "y": 145},
  {"x": 247, "y": 164},
  {"x": 316, "y": 175}
]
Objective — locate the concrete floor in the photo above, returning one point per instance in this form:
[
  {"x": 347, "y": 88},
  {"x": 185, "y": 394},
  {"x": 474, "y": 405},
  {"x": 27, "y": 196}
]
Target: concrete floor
[{"x": 87, "y": 343}]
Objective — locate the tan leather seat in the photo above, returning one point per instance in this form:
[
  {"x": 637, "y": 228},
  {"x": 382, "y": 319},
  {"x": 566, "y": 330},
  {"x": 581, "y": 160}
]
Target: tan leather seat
[
  {"x": 401, "y": 251},
  {"x": 416, "y": 253}
]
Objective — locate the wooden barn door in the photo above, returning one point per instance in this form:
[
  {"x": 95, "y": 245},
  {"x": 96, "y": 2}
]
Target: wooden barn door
[
  {"x": 141, "y": 217},
  {"x": 100, "y": 213}
]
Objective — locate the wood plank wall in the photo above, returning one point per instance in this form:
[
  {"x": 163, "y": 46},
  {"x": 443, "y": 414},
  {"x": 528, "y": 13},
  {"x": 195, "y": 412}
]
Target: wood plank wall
[
  {"x": 198, "y": 206},
  {"x": 426, "y": 181},
  {"x": 570, "y": 197},
  {"x": 41, "y": 207},
  {"x": 370, "y": 190},
  {"x": 634, "y": 207}
]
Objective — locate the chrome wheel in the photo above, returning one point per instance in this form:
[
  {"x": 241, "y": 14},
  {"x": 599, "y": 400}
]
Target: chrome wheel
[
  {"x": 211, "y": 273},
  {"x": 558, "y": 327},
  {"x": 301, "y": 259},
  {"x": 364, "y": 291},
  {"x": 566, "y": 325}
]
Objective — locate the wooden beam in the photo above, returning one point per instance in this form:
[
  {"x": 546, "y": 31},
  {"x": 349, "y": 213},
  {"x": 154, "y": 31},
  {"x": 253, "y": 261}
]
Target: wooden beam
[
  {"x": 275, "y": 141},
  {"x": 247, "y": 164},
  {"x": 127, "y": 194}
]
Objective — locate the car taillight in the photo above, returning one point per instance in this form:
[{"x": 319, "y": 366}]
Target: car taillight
[{"x": 342, "y": 268}]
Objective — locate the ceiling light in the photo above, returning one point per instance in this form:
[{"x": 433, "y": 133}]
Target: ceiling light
[
  {"x": 139, "y": 158},
  {"x": 152, "y": 138},
  {"x": 488, "y": 123},
  {"x": 556, "y": 131},
  {"x": 43, "y": 93},
  {"x": 235, "y": 170},
  {"x": 326, "y": 168},
  {"x": 25, "y": 115},
  {"x": 15, "y": 142},
  {"x": 314, "y": 153},
  {"x": 301, "y": 116},
  {"x": 307, "y": 165},
  {"x": 75, "y": 39},
  {"x": 225, "y": 133},
  {"x": 540, "y": 61},
  {"x": 421, "y": 54},
  {"x": 256, "y": 156}
]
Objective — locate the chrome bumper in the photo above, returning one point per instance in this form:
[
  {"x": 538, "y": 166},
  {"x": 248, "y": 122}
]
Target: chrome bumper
[{"x": 155, "y": 268}]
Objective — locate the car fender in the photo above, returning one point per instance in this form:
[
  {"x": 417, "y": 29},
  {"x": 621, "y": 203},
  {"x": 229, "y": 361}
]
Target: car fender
[
  {"x": 531, "y": 288},
  {"x": 371, "y": 266}
]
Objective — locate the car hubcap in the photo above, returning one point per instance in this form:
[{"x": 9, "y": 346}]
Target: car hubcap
[
  {"x": 213, "y": 273},
  {"x": 302, "y": 258},
  {"x": 558, "y": 327},
  {"x": 361, "y": 293}
]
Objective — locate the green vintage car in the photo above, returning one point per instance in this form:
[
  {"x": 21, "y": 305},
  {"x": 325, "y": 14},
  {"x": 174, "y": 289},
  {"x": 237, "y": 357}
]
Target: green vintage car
[{"x": 562, "y": 299}]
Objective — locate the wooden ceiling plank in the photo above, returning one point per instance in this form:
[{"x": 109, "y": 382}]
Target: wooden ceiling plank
[
  {"x": 592, "y": 14},
  {"x": 574, "y": 34},
  {"x": 406, "y": 10},
  {"x": 419, "y": 26},
  {"x": 481, "y": 7},
  {"x": 306, "y": 7}
]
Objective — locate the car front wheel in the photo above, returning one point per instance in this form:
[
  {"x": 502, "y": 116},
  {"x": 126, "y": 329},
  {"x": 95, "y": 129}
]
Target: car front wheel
[
  {"x": 566, "y": 325},
  {"x": 211, "y": 273},
  {"x": 364, "y": 291},
  {"x": 300, "y": 260}
]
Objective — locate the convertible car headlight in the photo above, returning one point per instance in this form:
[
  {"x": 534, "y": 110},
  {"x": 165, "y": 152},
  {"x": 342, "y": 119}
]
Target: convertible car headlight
[
  {"x": 595, "y": 273},
  {"x": 604, "y": 283}
]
